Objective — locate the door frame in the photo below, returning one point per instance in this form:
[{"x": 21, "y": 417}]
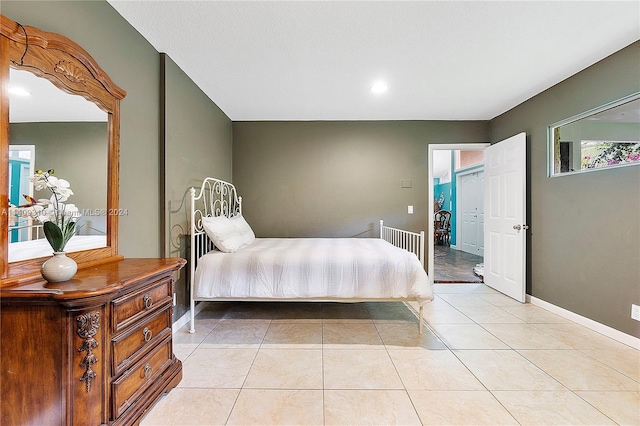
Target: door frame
[{"x": 474, "y": 146}]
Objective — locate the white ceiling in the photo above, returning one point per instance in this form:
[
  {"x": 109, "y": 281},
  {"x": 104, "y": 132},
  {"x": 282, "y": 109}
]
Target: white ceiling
[{"x": 442, "y": 60}]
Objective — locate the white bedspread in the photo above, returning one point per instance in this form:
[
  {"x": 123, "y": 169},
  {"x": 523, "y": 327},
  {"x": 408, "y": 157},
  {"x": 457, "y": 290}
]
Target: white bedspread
[
  {"x": 41, "y": 248},
  {"x": 307, "y": 268}
]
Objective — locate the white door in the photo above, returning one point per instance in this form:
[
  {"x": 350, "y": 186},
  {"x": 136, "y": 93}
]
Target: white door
[
  {"x": 471, "y": 197},
  {"x": 505, "y": 216}
]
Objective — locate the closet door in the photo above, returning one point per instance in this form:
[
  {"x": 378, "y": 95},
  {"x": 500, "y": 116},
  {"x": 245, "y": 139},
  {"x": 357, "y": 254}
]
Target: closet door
[{"x": 471, "y": 204}]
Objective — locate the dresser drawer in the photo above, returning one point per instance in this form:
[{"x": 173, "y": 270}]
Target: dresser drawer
[
  {"x": 134, "y": 382},
  {"x": 133, "y": 306},
  {"x": 128, "y": 347}
]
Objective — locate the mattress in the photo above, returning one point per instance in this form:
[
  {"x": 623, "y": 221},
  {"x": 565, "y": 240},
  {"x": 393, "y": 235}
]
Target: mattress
[{"x": 313, "y": 268}]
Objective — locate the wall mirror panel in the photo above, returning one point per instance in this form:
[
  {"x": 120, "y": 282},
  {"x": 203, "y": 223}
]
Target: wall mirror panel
[
  {"x": 604, "y": 137},
  {"x": 52, "y": 129},
  {"x": 60, "y": 111}
]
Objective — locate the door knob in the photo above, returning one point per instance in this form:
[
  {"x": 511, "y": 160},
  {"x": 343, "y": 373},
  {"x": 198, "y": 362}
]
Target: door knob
[{"x": 519, "y": 227}]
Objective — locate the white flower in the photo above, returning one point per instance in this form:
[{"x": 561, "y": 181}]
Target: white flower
[
  {"x": 71, "y": 211},
  {"x": 39, "y": 182},
  {"x": 46, "y": 214},
  {"x": 52, "y": 181},
  {"x": 63, "y": 217},
  {"x": 64, "y": 193}
]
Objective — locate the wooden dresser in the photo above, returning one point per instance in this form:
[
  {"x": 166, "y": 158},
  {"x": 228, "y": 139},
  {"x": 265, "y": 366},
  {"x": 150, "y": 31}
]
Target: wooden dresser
[{"x": 90, "y": 351}]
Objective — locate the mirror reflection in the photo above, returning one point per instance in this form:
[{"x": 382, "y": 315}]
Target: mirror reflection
[
  {"x": 51, "y": 129},
  {"x": 605, "y": 137}
]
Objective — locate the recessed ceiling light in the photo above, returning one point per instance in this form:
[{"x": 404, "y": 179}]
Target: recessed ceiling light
[
  {"x": 379, "y": 87},
  {"x": 19, "y": 91}
]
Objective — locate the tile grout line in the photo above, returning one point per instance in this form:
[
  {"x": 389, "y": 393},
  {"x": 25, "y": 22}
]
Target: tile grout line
[
  {"x": 248, "y": 372},
  {"x": 472, "y": 373},
  {"x": 386, "y": 348},
  {"x": 530, "y": 362}
]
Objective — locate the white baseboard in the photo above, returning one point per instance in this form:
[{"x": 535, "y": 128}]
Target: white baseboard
[
  {"x": 618, "y": 335},
  {"x": 184, "y": 319}
]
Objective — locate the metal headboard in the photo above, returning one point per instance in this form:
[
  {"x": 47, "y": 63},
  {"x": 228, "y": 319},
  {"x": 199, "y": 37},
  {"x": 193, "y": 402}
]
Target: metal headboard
[{"x": 215, "y": 198}]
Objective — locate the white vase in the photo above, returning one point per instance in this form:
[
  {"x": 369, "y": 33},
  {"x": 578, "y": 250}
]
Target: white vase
[{"x": 59, "y": 267}]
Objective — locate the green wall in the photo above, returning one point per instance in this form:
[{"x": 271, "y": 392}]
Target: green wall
[
  {"x": 171, "y": 134},
  {"x": 584, "y": 240},
  {"x": 338, "y": 179},
  {"x": 198, "y": 139},
  {"x": 59, "y": 146},
  {"x": 134, "y": 65}
]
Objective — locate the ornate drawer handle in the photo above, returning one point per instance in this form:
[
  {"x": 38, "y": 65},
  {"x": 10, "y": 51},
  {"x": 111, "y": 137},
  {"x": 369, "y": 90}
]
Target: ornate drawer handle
[
  {"x": 147, "y": 371},
  {"x": 148, "y": 302},
  {"x": 147, "y": 334}
]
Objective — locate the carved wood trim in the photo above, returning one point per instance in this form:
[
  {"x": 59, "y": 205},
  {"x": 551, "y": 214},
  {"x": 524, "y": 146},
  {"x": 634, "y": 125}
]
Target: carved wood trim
[
  {"x": 4, "y": 152},
  {"x": 71, "y": 72},
  {"x": 87, "y": 327},
  {"x": 70, "y": 68},
  {"x": 57, "y": 42}
]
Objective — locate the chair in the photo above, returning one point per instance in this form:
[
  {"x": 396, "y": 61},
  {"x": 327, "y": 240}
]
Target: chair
[{"x": 442, "y": 227}]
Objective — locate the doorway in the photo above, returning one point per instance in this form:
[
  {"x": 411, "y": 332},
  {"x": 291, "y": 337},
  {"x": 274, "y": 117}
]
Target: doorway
[
  {"x": 21, "y": 168},
  {"x": 456, "y": 185}
]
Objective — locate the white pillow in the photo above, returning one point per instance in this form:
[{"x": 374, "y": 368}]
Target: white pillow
[
  {"x": 223, "y": 234},
  {"x": 244, "y": 229}
]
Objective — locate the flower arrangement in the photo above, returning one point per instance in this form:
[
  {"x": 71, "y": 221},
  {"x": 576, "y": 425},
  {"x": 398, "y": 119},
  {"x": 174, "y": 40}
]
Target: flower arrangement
[
  {"x": 58, "y": 219},
  {"x": 602, "y": 154}
]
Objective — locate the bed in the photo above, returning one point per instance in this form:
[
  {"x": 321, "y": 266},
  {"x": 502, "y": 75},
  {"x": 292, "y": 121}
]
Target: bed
[{"x": 227, "y": 262}]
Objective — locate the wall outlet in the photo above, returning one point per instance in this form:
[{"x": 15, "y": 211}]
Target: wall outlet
[
  {"x": 175, "y": 302},
  {"x": 635, "y": 312}
]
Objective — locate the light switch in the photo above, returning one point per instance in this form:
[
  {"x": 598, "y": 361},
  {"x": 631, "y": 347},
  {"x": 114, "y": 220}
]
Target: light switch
[{"x": 410, "y": 209}]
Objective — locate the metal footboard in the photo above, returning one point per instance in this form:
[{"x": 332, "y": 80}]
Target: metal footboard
[{"x": 407, "y": 240}]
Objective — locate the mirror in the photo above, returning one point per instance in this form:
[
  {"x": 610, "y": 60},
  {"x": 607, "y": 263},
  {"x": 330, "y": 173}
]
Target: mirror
[
  {"x": 604, "y": 137},
  {"x": 71, "y": 124},
  {"x": 52, "y": 129}
]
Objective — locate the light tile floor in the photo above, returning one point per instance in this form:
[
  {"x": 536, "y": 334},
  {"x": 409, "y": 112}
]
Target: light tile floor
[{"x": 483, "y": 359}]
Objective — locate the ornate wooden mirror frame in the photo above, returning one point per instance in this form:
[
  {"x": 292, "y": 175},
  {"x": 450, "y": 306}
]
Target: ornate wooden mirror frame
[{"x": 70, "y": 68}]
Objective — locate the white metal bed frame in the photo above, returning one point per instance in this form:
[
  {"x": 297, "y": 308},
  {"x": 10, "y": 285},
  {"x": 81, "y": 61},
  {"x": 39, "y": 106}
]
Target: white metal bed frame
[{"x": 220, "y": 198}]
